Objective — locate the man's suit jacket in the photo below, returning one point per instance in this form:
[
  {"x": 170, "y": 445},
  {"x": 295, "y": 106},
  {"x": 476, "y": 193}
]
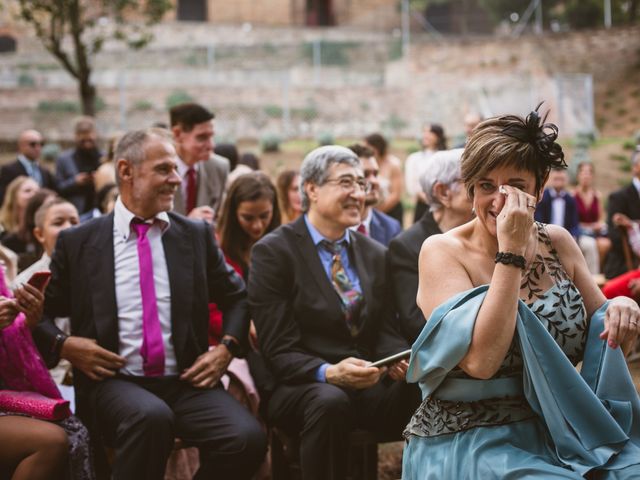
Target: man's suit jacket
[
  {"x": 13, "y": 170},
  {"x": 212, "y": 177},
  {"x": 298, "y": 313},
  {"x": 402, "y": 260},
  {"x": 82, "y": 287},
  {"x": 66, "y": 171},
  {"x": 626, "y": 201},
  {"x": 571, "y": 219},
  {"x": 383, "y": 227}
]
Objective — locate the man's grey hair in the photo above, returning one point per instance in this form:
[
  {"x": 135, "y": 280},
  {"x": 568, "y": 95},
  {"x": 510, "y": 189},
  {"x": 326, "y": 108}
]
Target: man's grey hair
[
  {"x": 444, "y": 167},
  {"x": 315, "y": 167},
  {"x": 132, "y": 145}
]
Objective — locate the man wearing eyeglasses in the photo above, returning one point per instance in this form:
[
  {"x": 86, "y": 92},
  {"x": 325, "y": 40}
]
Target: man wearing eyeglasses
[
  {"x": 320, "y": 303},
  {"x": 29, "y": 149}
]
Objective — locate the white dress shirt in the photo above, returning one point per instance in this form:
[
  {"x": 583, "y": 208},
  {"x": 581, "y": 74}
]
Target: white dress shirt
[
  {"x": 558, "y": 206},
  {"x": 128, "y": 296}
]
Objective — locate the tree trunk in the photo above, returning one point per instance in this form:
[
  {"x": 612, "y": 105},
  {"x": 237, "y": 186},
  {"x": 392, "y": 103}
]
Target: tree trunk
[{"x": 87, "y": 97}]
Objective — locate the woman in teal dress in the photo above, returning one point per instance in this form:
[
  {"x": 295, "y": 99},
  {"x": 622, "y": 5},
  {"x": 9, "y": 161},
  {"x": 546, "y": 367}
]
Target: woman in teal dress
[{"x": 512, "y": 309}]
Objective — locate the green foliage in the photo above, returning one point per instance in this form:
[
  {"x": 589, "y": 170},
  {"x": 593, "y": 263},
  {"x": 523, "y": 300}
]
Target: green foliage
[
  {"x": 50, "y": 152},
  {"x": 331, "y": 53},
  {"x": 325, "y": 138},
  {"x": 394, "y": 123},
  {"x": 270, "y": 142},
  {"x": 395, "y": 49},
  {"x": 60, "y": 106},
  {"x": 273, "y": 111},
  {"x": 177, "y": 97},
  {"x": 142, "y": 105},
  {"x": 26, "y": 80},
  {"x": 618, "y": 157}
]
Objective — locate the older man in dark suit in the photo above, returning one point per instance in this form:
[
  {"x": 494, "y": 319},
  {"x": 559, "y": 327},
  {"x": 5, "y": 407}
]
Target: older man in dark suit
[
  {"x": 29, "y": 150},
  {"x": 136, "y": 285},
  {"x": 319, "y": 298},
  {"x": 623, "y": 207}
]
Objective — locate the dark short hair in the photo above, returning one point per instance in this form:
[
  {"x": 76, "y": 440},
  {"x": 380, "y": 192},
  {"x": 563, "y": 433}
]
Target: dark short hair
[
  {"x": 377, "y": 141},
  {"x": 437, "y": 129},
  {"x": 188, "y": 115},
  {"x": 361, "y": 151},
  {"x": 527, "y": 144},
  {"x": 228, "y": 151},
  {"x": 250, "y": 159}
]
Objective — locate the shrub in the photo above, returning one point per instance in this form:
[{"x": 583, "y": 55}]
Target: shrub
[
  {"x": 325, "y": 138},
  {"x": 177, "y": 97},
  {"x": 142, "y": 105},
  {"x": 270, "y": 142},
  {"x": 68, "y": 106}
]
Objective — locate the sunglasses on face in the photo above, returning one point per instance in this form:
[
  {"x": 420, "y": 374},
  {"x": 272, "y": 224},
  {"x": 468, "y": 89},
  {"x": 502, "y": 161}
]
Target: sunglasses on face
[{"x": 35, "y": 144}]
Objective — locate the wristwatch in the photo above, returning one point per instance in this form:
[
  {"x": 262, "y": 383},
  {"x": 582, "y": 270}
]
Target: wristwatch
[
  {"x": 59, "y": 339},
  {"x": 232, "y": 346}
]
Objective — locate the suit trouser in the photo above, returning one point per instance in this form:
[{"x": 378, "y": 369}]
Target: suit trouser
[
  {"x": 140, "y": 417},
  {"x": 323, "y": 415}
]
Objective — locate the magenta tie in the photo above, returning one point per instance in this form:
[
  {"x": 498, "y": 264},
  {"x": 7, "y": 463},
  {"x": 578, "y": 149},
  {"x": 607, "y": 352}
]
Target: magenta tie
[{"x": 152, "y": 349}]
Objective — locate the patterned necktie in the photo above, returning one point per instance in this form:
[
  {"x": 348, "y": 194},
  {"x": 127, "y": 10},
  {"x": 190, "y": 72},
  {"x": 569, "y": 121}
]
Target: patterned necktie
[
  {"x": 350, "y": 299},
  {"x": 152, "y": 350},
  {"x": 191, "y": 189}
]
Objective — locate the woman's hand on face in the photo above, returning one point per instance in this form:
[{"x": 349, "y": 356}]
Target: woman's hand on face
[
  {"x": 30, "y": 301},
  {"x": 621, "y": 323},
  {"x": 514, "y": 222},
  {"x": 8, "y": 311}
]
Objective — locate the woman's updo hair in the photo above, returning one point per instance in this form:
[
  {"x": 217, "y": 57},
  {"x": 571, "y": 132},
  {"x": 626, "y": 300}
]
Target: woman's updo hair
[{"x": 524, "y": 143}]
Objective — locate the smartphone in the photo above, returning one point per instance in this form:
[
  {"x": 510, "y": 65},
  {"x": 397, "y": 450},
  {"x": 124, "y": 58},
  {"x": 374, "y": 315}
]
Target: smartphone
[
  {"x": 39, "y": 280},
  {"x": 391, "y": 359}
]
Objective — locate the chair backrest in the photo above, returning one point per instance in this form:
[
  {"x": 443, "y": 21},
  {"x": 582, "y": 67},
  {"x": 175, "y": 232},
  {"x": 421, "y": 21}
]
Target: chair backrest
[{"x": 630, "y": 259}]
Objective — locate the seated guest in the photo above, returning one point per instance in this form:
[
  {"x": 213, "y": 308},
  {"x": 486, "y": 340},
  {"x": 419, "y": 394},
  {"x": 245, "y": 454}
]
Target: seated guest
[
  {"x": 433, "y": 139},
  {"x": 19, "y": 191},
  {"x": 136, "y": 285},
  {"x": 625, "y": 201},
  {"x": 250, "y": 159},
  {"x": 320, "y": 303},
  {"x": 40, "y": 437},
  {"x": 75, "y": 167},
  {"x": 27, "y": 164},
  {"x": 558, "y": 207},
  {"x": 106, "y": 172},
  {"x": 204, "y": 174},
  {"x": 288, "y": 186},
  {"x": 55, "y": 214},
  {"x": 105, "y": 201},
  {"x": 627, "y": 284},
  {"x": 375, "y": 224},
  {"x": 391, "y": 181},
  {"x": 230, "y": 152},
  {"x": 590, "y": 210},
  {"x": 249, "y": 212},
  {"x": 511, "y": 309},
  {"x": 23, "y": 241},
  {"x": 449, "y": 207}
]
